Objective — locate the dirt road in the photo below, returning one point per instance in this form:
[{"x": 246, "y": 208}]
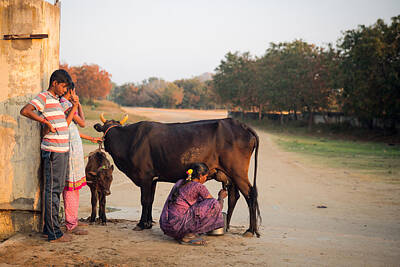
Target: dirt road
[{"x": 360, "y": 225}]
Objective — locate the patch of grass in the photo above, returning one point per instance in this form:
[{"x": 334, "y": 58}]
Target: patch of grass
[
  {"x": 110, "y": 109},
  {"x": 339, "y": 148},
  {"x": 374, "y": 159}
]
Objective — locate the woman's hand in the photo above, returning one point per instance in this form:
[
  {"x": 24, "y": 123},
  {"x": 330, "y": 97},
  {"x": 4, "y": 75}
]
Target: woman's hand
[{"x": 222, "y": 194}]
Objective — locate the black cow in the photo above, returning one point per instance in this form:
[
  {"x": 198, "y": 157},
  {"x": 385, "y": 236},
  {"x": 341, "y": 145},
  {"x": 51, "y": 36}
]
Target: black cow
[
  {"x": 148, "y": 152},
  {"x": 99, "y": 177}
]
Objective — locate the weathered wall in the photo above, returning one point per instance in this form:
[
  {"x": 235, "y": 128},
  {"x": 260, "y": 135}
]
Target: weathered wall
[{"x": 25, "y": 68}]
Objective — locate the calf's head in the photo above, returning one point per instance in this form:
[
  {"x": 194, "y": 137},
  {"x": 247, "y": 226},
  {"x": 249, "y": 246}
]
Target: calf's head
[{"x": 103, "y": 177}]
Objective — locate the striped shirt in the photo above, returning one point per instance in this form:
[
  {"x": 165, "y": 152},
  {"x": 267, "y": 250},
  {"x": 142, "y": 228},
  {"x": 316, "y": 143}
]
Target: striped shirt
[
  {"x": 49, "y": 108},
  {"x": 66, "y": 105}
]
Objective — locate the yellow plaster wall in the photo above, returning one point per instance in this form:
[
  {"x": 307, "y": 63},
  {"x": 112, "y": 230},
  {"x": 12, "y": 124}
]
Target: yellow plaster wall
[{"x": 25, "y": 69}]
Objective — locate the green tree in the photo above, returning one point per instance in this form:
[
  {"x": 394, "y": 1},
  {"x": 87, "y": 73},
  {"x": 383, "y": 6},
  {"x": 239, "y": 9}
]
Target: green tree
[
  {"x": 295, "y": 77},
  {"x": 280, "y": 75},
  {"x": 270, "y": 87},
  {"x": 370, "y": 64},
  {"x": 194, "y": 93},
  {"x": 234, "y": 81}
]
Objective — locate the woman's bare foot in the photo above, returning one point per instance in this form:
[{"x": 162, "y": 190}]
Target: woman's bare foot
[
  {"x": 189, "y": 236},
  {"x": 194, "y": 242}
]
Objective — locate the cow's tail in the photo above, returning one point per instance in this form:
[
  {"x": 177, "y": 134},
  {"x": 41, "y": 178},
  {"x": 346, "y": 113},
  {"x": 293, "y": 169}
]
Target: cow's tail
[{"x": 253, "y": 191}]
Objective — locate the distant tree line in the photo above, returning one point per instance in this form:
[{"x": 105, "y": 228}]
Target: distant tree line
[
  {"x": 359, "y": 77},
  {"x": 93, "y": 82},
  {"x": 156, "y": 92}
]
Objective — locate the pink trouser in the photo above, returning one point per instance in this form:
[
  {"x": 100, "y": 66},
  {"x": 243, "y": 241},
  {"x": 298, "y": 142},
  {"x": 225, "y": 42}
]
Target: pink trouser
[{"x": 71, "y": 205}]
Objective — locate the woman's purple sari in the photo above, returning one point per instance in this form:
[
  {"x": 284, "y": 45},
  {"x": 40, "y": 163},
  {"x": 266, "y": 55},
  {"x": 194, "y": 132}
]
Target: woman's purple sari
[{"x": 192, "y": 212}]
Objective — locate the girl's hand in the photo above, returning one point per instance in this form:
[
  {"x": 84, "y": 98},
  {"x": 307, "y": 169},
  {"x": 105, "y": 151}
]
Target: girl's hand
[
  {"x": 74, "y": 97},
  {"x": 96, "y": 140}
]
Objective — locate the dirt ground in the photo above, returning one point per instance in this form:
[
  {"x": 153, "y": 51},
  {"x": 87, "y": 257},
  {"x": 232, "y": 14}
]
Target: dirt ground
[{"x": 360, "y": 225}]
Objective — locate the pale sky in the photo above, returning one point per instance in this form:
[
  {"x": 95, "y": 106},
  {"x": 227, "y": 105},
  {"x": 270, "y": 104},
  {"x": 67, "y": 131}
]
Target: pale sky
[{"x": 175, "y": 39}]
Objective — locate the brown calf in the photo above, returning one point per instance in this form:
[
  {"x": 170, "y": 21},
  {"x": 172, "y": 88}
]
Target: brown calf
[{"x": 99, "y": 177}]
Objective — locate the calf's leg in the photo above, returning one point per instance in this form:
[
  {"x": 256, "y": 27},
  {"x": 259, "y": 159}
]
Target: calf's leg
[
  {"x": 93, "y": 200},
  {"x": 102, "y": 208}
]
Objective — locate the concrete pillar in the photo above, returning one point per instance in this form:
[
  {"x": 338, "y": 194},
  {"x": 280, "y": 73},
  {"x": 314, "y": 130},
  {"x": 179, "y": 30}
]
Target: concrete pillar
[{"x": 25, "y": 69}]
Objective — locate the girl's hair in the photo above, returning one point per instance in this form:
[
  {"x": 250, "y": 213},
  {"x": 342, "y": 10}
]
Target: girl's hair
[
  {"x": 71, "y": 86},
  {"x": 195, "y": 171}
]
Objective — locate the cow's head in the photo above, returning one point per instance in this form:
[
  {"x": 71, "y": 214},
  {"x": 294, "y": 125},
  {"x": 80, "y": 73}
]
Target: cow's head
[
  {"x": 108, "y": 123},
  {"x": 104, "y": 178}
]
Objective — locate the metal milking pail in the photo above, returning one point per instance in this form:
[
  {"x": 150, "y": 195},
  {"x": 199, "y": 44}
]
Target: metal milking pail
[{"x": 219, "y": 231}]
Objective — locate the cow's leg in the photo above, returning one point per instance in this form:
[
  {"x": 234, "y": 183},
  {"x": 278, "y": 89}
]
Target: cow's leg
[
  {"x": 146, "y": 198},
  {"x": 233, "y": 192},
  {"x": 251, "y": 200},
  {"x": 102, "y": 208},
  {"x": 153, "y": 191},
  {"x": 94, "y": 204},
  {"x": 233, "y": 196},
  {"x": 250, "y": 195}
]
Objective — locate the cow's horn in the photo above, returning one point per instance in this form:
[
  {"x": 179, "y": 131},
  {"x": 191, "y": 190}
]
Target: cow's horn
[
  {"x": 124, "y": 119},
  {"x": 102, "y": 118}
]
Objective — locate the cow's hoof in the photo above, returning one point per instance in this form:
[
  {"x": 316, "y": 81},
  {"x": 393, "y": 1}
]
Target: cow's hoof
[
  {"x": 137, "y": 228},
  {"x": 103, "y": 223},
  {"x": 248, "y": 234},
  {"x": 148, "y": 226}
]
